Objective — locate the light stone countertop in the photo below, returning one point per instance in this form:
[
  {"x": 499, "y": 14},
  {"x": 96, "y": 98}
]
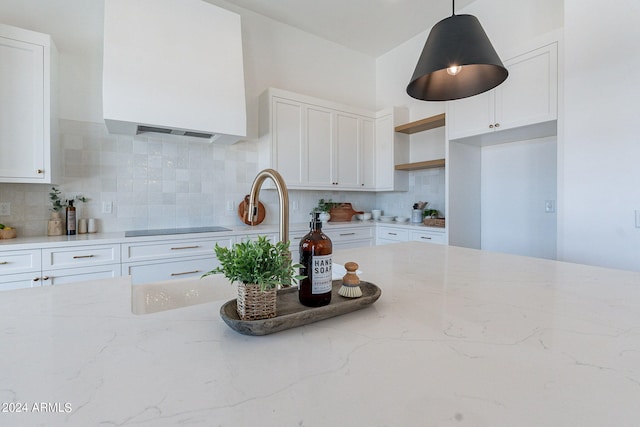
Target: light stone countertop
[
  {"x": 35, "y": 242},
  {"x": 459, "y": 337}
]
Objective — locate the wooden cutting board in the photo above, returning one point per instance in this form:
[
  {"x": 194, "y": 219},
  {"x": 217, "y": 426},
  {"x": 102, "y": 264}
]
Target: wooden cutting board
[{"x": 242, "y": 211}]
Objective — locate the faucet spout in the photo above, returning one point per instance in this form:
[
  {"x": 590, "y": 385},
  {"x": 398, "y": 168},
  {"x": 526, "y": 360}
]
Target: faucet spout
[{"x": 283, "y": 198}]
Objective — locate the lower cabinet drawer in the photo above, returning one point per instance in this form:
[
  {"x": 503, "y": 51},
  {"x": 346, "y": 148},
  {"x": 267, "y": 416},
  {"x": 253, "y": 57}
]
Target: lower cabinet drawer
[
  {"x": 14, "y": 262},
  {"x": 394, "y": 234},
  {"x": 172, "y": 248},
  {"x": 168, "y": 270},
  {"x": 20, "y": 281},
  {"x": 346, "y": 234},
  {"x": 72, "y": 275},
  {"x": 80, "y": 256},
  {"x": 424, "y": 236}
]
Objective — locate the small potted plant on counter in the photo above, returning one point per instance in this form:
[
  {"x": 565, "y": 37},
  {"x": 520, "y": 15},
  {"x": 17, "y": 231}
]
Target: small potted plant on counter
[
  {"x": 432, "y": 218},
  {"x": 260, "y": 268},
  {"x": 55, "y": 226},
  {"x": 324, "y": 206}
]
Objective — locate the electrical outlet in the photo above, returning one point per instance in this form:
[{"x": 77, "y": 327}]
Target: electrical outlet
[
  {"x": 5, "y": 209},
  {"x": 294, "y": 205},
  {"x": 549, "y": 206},
  {"x": 229, "y": 206},
  {"x": 107, "y": 207},
  {"x": 637, "y": 218}
]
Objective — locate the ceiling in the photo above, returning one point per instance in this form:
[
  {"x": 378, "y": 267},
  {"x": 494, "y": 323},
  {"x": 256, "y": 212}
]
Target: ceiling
[{"x": 372, "y": 27}]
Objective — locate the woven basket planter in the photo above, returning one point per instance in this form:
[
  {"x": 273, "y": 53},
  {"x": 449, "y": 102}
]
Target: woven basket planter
[
  {"x": 254, "y": 304},
  {"x": 434, "y": 222}
]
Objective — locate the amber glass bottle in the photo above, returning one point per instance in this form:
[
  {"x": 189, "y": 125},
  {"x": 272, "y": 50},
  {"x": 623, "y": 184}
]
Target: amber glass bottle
[
  {"x": 71, "y": 218},
  {"x": 315, "y": 257}
]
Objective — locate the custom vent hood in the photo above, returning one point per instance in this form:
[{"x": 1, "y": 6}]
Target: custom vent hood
[{"x": 173, "y": 67}]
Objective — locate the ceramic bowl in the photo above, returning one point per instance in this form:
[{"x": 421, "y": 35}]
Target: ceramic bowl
[
  {"x": 366, "y": 216},
  {"x": 402, "y": 218},
  {"x": 387, "y": 218}
]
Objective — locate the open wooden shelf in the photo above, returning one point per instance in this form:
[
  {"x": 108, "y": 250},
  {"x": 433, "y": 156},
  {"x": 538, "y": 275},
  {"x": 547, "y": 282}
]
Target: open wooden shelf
[
  {"x": 430, "y": 164},
  {"x": 422, "y": 125}
]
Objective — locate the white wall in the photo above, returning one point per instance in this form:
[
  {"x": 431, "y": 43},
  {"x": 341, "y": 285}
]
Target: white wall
[
  {"x": 516, "y": 180},
  {"x": 599, "y": 172}
]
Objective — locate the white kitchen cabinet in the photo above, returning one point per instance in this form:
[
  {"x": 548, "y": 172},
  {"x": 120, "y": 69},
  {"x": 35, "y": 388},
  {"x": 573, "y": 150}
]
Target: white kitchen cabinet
[
  {"x": 158, "y": 260},
  {"x": 80, "y": 256},
  {"x": 69, "y": 264},
  {"x": 391, "y": 148},
  {"x": 317, "y": 166},
  {"x": 385, "y": 235},
  {"x": 527, "y": 100},
  {"x": 400, "y": 233},
  {"x": 171, "y": 269},
  {"x": 20, "y": 281},
  {"x": 72, "y": 275},
  {"x": 427, "y": 237},
  {"x": 316, "y": 144},
  {"x": 28, "y": 122},
  {"x": 20, "y": 269},
  {"x": 355, "y": 237}
]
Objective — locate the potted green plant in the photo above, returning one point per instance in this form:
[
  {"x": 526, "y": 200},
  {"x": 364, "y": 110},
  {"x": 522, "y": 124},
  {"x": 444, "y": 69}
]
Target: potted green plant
[
  {"x": 430, "y": 213},
  {"x": 323, "y": 207},
  {"x": 260, "y": 268},
  {"x": 55, "y": 226}
]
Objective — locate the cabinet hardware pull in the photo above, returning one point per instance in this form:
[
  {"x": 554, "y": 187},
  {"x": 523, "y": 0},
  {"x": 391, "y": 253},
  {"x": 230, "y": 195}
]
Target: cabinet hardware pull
[
  {"x": 490, "y": 126},
  {"x": 4, "y": 262},
  {"x": 45, "y": 278},
  {"x": 40, "y": 171},
  {"x": 36, "y": 279},
  {"x": 347, "y": 234},
  {"x": 186, "y": 272},
  {"x": 497, "y": 125},
  {"x": 185, "y": 247},
  {"x": 392, "y": 234},
  {"x": 426, "y": 238},
  {"x": 83, "y": 256}
]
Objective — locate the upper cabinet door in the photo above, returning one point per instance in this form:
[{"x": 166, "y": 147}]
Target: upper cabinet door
[
  {"x": 348, "y": 151},
  {"x": 320, "y": 145},
  {"x": 288, "y": 147},
  {"x": 471, "y": 116},
  {"x": 368, "y": 154},
  {"x": 24, "y": 106},
  {"x": 530, "y": 93},
  {"x": 529, "y": 96}
]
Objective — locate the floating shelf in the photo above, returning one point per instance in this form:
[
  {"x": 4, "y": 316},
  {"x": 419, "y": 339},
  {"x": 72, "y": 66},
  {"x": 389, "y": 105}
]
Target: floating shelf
[
  {"x": 430, "y": 164},
  {"x": 422, "y": 125}
]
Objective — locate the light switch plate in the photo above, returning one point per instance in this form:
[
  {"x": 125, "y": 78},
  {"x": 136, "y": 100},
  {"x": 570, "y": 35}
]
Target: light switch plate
[{"x": 5, "y": 209}]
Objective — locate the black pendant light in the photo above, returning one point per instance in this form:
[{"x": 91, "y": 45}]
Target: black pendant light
[{"x": 457, "y": 61}]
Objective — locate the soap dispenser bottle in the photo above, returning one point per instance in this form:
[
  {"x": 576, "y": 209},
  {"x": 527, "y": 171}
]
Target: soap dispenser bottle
[
  {"x": 316, "y": 260},
  {"x": 71, "y": 218}
]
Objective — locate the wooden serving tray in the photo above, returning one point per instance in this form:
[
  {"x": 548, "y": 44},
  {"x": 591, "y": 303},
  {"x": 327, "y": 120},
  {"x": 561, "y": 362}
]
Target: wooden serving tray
[{"x": 291, "y": 314}]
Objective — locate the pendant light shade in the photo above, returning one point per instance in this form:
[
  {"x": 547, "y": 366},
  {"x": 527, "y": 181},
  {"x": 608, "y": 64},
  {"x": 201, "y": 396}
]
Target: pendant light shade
[{"x": 457, "y": 61}]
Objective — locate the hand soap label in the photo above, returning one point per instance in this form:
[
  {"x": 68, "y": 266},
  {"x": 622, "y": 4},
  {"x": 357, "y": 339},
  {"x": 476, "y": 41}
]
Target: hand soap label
[{"x": 321, "y": 274}]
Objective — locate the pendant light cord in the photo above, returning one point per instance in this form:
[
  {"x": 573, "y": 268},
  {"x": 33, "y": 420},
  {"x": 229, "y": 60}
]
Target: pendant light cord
[{"x": 453, "y": 7}]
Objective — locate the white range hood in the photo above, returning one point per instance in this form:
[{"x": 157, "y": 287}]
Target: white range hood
[{"x": 173, "y": 67}]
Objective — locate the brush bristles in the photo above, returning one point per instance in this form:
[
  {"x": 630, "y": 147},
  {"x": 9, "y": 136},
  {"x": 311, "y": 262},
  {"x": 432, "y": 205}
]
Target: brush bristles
[{"x": 350, "y": 291}]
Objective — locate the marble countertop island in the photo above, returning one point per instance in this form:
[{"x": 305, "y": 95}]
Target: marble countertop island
[{"x": 459, "y": 337}]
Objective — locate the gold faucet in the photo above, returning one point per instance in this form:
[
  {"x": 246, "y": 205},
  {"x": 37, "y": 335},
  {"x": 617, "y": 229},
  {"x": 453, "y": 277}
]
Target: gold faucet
[{"x": 283, "y": 196}]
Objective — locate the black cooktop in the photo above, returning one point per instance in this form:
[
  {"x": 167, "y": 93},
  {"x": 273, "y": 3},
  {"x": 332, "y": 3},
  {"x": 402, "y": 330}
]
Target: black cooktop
[{"x": 164, "y": 231}]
